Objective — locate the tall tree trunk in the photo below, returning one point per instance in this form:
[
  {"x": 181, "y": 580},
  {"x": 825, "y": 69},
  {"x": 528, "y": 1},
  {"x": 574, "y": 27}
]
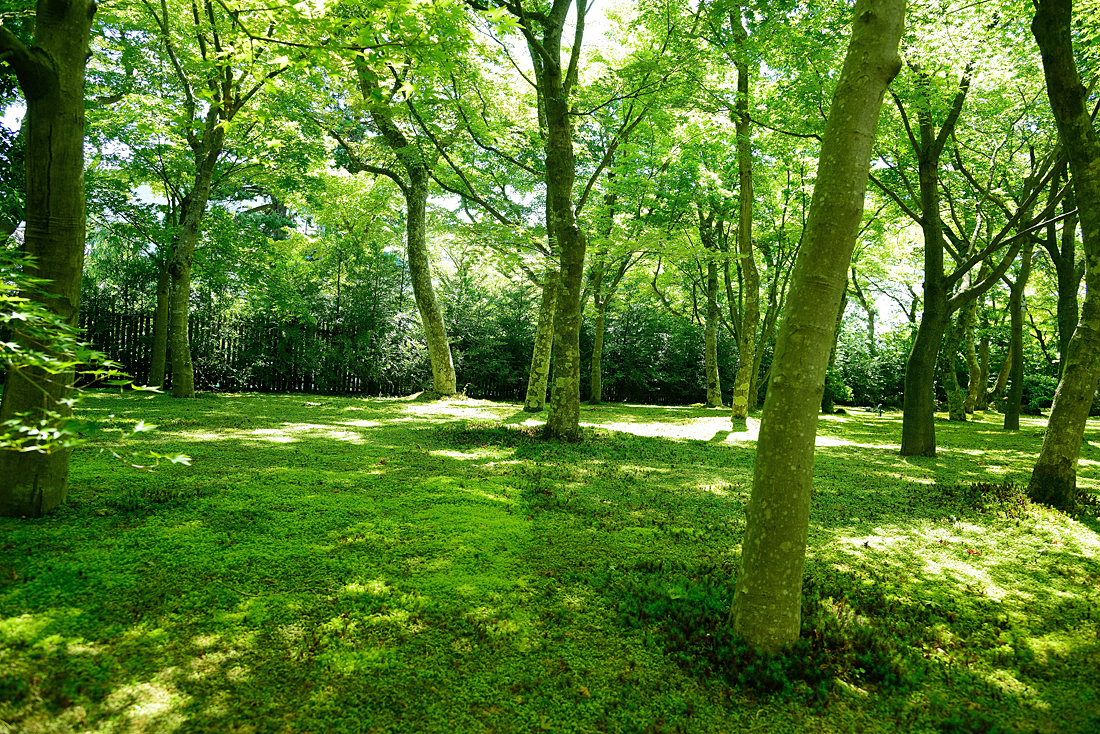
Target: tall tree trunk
[
  {"x": 918, "y": 432},
  {"x": 159, "y": 358},
  {"x": 1063, "y": 253},
  {"x": 956, "y": 398},
  {"x": 982, "y": 401},
  {"x": 417, "y": 168},
  {"x": 1016, "y": 320},
  {"x": 869, "y": 309},
  {"x": 51, "y": 75},
  {"x": 767, "y": 336},
  {"x": 828, "y": 397},
  {"x": 1054, "y": 478},
  {"x": 563, "y": 417},
  {"x": 750, "y": 286},
  {"x": 998, "y": 391},
  {"x": 714, "y": 384},
  {"x": 768, "y": 595},
  {"x": 544, "y": 340},
  {"x": 416, "y": 244},
  {"x": 975, "y": 384},
  {"x": 596, "y": 396},
  {"x": 183, "y": 256}
]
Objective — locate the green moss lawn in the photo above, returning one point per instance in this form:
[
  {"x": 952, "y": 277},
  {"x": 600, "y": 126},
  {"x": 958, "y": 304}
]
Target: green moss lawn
[{"x": 335, "y": 565}]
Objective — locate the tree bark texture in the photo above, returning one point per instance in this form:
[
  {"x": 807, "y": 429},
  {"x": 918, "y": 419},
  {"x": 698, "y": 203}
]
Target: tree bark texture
[
  {"x": 982, "y": 401},
  {"x": 745, "y": 380},
  {"x": 975, "y": 385},
  {"x": 828, "y": 398},
  {"x": 159, "y": 359},
  {"x": 1016, "y": 320},
  {"x": 1054, "y": 478},
  {"x": 918, "y": 433},
  {"x": 51, "y": 75},
  {"x": 563, "y": 417},
  {"x": 767, "y": 598},
  {"x": 207, "y": 152},
  {"x": 544, "y": 341},
  {"x": 596, "y": 396},
  {"x": 956, "y": 397},
  {"x": 420, "y": 272},
  {"x": 710, "y": 341},
  {"x": 415, "y": 189}
]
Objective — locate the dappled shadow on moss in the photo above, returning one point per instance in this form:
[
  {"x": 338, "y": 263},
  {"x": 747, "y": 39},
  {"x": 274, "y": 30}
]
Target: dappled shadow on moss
[{"x": 687, "y": 609}]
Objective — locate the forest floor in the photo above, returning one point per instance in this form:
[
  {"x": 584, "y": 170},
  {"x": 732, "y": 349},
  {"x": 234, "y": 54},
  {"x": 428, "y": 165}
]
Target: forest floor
[{"x": 338, "y": 565}]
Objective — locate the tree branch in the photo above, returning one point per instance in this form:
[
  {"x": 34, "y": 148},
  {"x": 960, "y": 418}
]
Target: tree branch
[{"x": 31, "y": 70}]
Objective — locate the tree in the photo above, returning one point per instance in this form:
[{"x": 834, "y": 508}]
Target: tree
[
  {"x": 1054, "y": 478},
  {"x": 767, "y": 597},
  {"x": 417, "y": 161},
  {"x": 51, "y": 75}
]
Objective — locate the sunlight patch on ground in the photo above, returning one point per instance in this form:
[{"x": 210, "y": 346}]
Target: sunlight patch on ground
[
  {"x": 148, "y": 707},
  {"x": 834, "y": 441},
  {"x": 721, "y": 489},
  {"x": 375, "y": 587},
  {"x": 465, "y": 455},
  {"x": 698, "y": 429},
  {"x": 469, "y": 409},
  {"x": 288, "y": 433}
]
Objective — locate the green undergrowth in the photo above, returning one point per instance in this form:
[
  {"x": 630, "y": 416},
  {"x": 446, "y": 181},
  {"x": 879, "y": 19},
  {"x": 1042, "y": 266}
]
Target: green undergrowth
[{"x": 347, "y": 565}]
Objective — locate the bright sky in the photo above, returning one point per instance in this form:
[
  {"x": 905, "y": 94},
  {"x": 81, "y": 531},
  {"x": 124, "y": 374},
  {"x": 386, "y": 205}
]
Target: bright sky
[{"x": 13, "y": 116}]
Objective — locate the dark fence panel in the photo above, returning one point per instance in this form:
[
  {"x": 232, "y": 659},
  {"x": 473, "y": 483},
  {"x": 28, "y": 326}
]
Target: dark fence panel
[{"x": 264, "y": 355}]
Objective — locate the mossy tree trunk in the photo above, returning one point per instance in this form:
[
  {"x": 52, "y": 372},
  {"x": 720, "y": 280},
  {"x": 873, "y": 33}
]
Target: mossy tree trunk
[
  {"x": 767, "y": 598},
  {"x": 555, "y": 83},
  {"x": 918, "y": 433},
  {"x": 544, "y": 341},
  {"x": 1054, "y": 478},
  {"x": 51, "y": 76},
  {"x": 710, "y": 338},
  {"x": 1016, "y": 321},
  {"x": 828, "y": 396},
  {"x": 420, "y": 272},
  {"x": 982, "y": 401},
  {"x": 192, "y": 210},
  {"x": 975, "y": 383},
  {"x": 956, "y": 397},
  {"x": 1063, "y": 253},
  {"x": 417, "y": 165},
  {"x": 745, "y": 379}
]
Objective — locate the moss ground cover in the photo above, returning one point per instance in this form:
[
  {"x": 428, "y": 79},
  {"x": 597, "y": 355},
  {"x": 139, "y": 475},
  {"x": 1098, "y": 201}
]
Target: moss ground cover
[{"x": 347, "y": 565}]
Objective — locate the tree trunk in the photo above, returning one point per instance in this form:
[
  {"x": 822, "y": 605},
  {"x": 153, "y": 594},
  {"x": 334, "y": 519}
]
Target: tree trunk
[
  {"x": 1069, "y": 277},
  {"x": 956, "y": 398},
  {"x": 982, "y": 403},
  {"x": 975, "y": 384},
  {"x": 918, "y": 433},
  {"x": 998, "y": 391},
  {"x": 183, "y": 256},
  {"x": 597, "y": 358},
  {"x": 420, "y": 272},
  {"x": 714, "y": 384},
  {"x": 544, "y": 340},
  {"x": 51, "y": 75},
  {"x": 563, "y": 417},
  {"x": 768, "y": 593},
  {"x": 744, "y": 381},
  {"x": 918, "y": 429},
  {"x": 1016, "y": 319},
  {"x": 828, "y": 397},
  {"x": 1054, "y": 479},
  {"x": 160, "y": 327}
]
